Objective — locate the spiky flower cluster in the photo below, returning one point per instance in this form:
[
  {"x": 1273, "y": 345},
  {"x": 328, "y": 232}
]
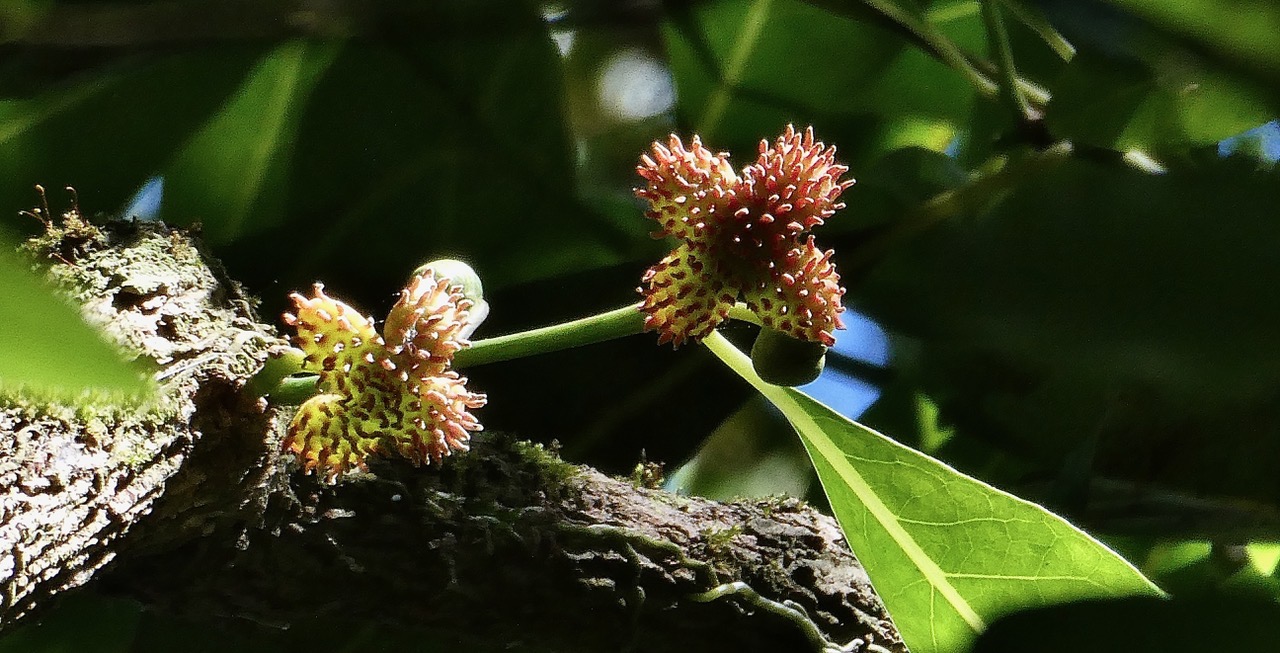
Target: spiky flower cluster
[
  {"x": 393, "y": 392},
  {"x": 744, "y": 236}
]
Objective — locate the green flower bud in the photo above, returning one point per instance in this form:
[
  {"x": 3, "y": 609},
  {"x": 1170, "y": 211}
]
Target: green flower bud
[
  {"x": 460, "y": 274},
  {"x": 783, "y": 360},
  {"x": 457, "y": 272}
]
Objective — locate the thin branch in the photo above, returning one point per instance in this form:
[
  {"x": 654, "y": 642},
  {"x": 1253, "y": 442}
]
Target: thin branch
[
  {"x": 1002, "y": 52},
  {"x": 199, "y": 513},
  {"x": 1036, "y": 22}
]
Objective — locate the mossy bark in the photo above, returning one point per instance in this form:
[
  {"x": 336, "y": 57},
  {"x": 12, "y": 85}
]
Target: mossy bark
[{"x": 186, "y": 505}]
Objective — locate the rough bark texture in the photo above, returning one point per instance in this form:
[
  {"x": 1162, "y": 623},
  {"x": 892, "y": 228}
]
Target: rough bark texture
[
  {"x": 75, "y": 481},
  {"x": 186, "y": 505}
]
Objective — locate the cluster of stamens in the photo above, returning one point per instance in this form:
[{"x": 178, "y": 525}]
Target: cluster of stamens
[
  {"x": 744, "y": 236},
  {"x": 379, "y": 394}
]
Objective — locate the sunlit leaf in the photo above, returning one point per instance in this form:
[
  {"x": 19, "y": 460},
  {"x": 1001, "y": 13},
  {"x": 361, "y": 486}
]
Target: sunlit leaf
[
  {"x": 947, "y": 553},
  {"x": 46, "y": 345}
]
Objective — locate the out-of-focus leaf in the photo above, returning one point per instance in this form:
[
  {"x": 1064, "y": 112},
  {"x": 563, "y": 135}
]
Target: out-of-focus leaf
[
  {"x": 893, "y": 186},
  {"x": 46, "y": 345},
  {"x": 1137, "y": 625},
  {"x": 1242, "y": 30},
  {"x": 947, "y": 553},
  {"x": 80, "y": 624},
  {"x": 231, "y": 175},
  {"x": 1173, "y": 102},
  {"x": 750, "y": 454},
  {"x": 107, "y": 130},
  {"x": 18, "y": 15},
  {"x": 1101, "y": 307},
  {"x": 449, "y": 142},
  {"x": 745, "y": 69}
]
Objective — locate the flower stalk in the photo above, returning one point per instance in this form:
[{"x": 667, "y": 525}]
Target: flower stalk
[
  {"x": 609, "y": 325},
  {"x": 289, "y": 389}
]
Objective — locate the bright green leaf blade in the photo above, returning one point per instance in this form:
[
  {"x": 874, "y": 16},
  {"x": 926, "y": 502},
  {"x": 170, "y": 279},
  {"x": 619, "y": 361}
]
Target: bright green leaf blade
[
  {"x": 45, "y": 345},
  {"x": 947, "y": 553},
  {"x": 233, "y": 171}
]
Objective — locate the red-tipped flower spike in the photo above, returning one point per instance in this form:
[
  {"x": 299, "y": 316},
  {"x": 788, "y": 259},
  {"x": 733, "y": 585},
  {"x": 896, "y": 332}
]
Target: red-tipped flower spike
[
  {"x": 745, "y": 236},
  {"x": 383, "y": 393}
]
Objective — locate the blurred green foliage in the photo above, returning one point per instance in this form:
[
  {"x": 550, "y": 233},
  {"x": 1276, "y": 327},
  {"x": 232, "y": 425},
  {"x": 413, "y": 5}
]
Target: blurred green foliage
[
  {"x": 1090, "y": 334},
  {"x": 47, "y": 348}
]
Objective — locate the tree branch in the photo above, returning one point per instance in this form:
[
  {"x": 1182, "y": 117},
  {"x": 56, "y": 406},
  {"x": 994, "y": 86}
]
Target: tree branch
[{"x": 186, "y": 505}]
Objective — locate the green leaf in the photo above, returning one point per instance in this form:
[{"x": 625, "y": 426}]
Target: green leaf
[
  {"x": 231, "y": 174},
  {"x": 45, "y": 344},
  {"x": 746, "y": 69},
  {"x": 893, "y": 186},
  {"x": 1243, "y": 31},
  {"x": 751, "y": 454},
  {"x": 106, "y": 130},
  {"x": 947, "y": 553},
  {"x": 1095, "y": 300},
  {"x": 1174, "y": 102},
  {"x": 412, "y": 148}
]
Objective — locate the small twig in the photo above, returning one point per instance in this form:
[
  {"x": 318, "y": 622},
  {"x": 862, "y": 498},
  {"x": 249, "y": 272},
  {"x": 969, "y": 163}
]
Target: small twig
[
  {"x": 1036, "y": 22},
  {"x": 1002, "y": 52},
  {"x": 943, "y": 48}
]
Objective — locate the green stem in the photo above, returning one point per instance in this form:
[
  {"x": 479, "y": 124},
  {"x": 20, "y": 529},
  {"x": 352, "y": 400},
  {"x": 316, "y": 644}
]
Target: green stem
[
  {"x": 1042, "y": 27},
  {"x": 283, "y": 389},
  {"x": 277, "y": 367},
  {"x": 943, "y": 48},
  {"x": 618, "y": 323},
  {"x": 610, "y": 325},
  {"x": 1002, "y": 52},
  {"x": 294, "y": 390}
]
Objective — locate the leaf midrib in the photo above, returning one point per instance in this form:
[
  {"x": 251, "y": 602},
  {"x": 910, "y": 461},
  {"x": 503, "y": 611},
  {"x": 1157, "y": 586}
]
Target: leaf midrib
[{"x": 810, "y": 430}]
